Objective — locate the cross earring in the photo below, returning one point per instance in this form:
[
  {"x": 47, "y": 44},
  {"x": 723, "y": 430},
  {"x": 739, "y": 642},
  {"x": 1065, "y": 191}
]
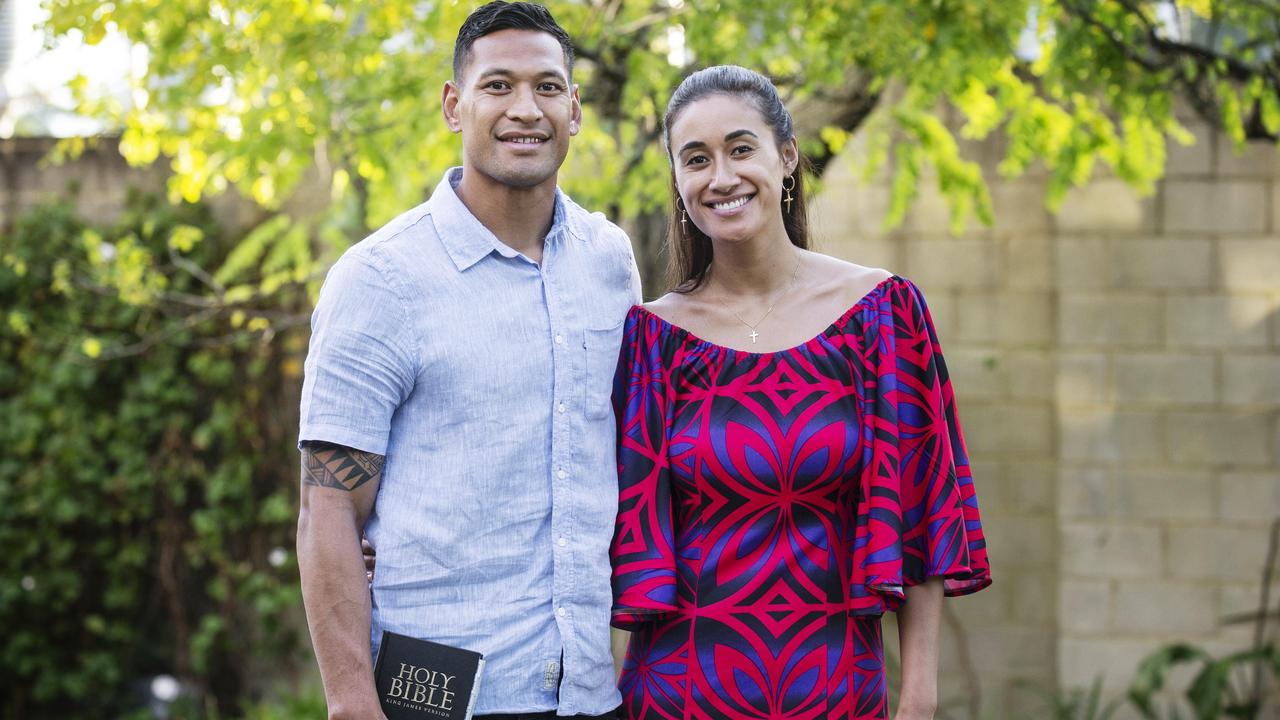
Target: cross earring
[
  {"x": 788, "y": 190},
  {"x": 684, "y": 219}
]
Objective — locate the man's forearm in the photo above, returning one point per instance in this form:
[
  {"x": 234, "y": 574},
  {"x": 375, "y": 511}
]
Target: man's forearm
[{"x": 337, "y": 491}]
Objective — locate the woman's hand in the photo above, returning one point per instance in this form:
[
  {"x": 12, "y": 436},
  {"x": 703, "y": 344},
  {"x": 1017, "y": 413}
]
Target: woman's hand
[
  {"x": 370, "y": 558},
  {"x": 913, "y": 714}
]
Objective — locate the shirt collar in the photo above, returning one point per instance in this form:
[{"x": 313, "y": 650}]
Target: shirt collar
[{"x": 467, "y": 240}]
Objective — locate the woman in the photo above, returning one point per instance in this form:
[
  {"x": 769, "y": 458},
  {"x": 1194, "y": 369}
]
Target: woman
[{"x": 791, "y": 465}]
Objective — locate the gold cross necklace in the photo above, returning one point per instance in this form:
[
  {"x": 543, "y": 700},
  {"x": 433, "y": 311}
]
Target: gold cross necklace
[{"x": 752, "y": 327}]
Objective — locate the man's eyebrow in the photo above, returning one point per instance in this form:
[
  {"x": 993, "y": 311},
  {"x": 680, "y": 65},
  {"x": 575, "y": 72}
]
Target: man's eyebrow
[{"x": 504, "y": 72}]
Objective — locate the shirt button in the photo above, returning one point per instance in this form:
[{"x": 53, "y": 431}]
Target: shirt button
[
  {"x": 561, "y": 612},
  {"x": 562, "y": 474},
  {"x": 559, "y": 339},
  {"x": 560, "y": 408},
  {"x": 562, "y": 541}
]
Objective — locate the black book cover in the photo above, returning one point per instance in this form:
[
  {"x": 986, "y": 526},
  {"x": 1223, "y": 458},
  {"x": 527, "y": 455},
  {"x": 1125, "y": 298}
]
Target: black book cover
[{"x": 423, "y": 680}]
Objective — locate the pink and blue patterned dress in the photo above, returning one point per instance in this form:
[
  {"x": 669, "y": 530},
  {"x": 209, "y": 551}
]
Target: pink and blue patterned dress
[{"x": 774, "y": 505}]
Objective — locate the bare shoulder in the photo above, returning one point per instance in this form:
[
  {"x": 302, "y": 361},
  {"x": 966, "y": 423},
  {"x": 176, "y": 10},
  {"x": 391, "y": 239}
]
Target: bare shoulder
[
  {"x": 678, "y": 309},
  {"x": 848, "y": 281}
]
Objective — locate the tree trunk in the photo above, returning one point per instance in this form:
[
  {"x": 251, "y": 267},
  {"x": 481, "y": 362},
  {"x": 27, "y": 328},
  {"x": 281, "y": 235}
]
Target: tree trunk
[{"x": 648, "y": 232}]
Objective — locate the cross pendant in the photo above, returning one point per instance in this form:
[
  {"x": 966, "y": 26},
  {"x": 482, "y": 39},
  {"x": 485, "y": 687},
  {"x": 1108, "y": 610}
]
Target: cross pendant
[{"x": 754, "y": 335}]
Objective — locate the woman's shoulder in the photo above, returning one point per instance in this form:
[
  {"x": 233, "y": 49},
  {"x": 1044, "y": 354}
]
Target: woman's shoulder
[
  {"x": 847, "y": 281},
  {"x": 676, "y": 309}
]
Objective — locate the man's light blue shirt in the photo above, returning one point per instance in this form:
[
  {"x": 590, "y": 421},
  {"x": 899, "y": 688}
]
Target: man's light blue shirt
[{"x": 484, "y": 378}]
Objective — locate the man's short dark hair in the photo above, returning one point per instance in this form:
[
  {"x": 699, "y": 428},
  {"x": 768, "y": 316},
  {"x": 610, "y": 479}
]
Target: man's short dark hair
[{"x": 500, "y": 15}]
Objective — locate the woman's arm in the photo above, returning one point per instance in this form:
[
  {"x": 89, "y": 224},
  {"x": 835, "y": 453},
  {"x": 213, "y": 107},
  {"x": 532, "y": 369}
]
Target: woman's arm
[{"x": 918, "y": 622}]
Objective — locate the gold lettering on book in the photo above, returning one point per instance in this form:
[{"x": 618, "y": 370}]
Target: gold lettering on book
[{"x": 422, "y": 686}]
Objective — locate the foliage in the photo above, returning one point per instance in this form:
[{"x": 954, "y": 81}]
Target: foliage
[
  {"x": 142, "y": 502},
  {"x": 251, "y": 94},
  {"x": 1219, "y": 690},
  {"x": 1075, "y": 704}
]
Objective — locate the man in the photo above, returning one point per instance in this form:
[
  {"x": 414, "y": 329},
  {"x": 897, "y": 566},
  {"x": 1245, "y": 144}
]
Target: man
[{"x": 456, "y": 404}]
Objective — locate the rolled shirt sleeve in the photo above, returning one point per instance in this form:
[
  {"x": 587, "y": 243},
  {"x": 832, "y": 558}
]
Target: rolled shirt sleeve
[{"x": 360, "y": 366}]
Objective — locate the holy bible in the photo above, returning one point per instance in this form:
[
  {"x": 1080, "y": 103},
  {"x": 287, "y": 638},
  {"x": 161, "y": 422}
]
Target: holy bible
[{"x": 422, "y": 680}]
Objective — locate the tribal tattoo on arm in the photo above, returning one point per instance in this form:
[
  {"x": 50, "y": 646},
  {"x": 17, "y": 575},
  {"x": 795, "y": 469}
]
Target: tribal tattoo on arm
[{"x": 336, "y": 466}]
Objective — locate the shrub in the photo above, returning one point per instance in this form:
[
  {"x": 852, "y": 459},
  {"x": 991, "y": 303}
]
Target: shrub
[{"x": 147, "y": 478}]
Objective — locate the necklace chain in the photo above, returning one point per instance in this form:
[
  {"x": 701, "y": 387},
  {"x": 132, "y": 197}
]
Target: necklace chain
[{"x": 753, "y": 334}]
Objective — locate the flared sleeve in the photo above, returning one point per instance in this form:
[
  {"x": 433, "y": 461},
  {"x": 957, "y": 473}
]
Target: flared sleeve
[
  {"x": 917, "y": 511},
  {"x": 643, "y": 550}
]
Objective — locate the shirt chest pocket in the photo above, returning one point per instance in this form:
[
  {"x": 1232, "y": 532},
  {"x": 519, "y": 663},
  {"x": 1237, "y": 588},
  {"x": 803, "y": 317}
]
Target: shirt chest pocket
[{"x": 601, "y": 347}]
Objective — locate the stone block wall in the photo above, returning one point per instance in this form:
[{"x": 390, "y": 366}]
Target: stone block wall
[
  {"x": 1118, "y": 371},
  {"x": 1167, "y": 409}
]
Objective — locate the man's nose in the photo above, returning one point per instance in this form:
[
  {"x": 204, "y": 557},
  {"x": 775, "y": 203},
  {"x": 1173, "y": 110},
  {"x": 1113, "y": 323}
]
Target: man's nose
[{"x": 524, "y": 105}]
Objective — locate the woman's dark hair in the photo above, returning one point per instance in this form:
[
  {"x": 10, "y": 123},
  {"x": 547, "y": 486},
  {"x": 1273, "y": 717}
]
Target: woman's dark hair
[
  {"x": 499, "y": 15},
  {"x": 689, "y": 249}
]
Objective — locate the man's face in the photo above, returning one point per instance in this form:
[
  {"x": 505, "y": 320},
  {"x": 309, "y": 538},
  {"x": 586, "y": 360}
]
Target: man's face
[{"x": 515, "y": 108}]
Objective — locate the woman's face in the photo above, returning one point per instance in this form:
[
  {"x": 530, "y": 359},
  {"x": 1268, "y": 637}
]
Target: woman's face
[{"x": 729, "y": 169}]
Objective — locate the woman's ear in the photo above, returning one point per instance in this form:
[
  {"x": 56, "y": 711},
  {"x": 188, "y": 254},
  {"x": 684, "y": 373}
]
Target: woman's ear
[{"x": 790, "y": 155}]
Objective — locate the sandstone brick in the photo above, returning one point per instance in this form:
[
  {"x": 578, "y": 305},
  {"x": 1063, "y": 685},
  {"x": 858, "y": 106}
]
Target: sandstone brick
[
  {"x": 1217, "y": 321},
  {"x": 1084, "y": 606},
  {"x": 1249, "y": 496},
  {"x": 1110, "y": 436},
  {"x": 1020, "y": 208},
  {"x": 1034, "y": 601},
  {"x": 1223, "y": 206},
  {"x": 846, "y": 168},
  {"x": 1194, "y": 160},
  {"x": 1104, "y": 205},
  {"x": 53, "y": 179},
  {"x": 1275, "y": 207},
  {"x": 1110, "y": 320},
  {"x": 1028, "y": 262},
  {"x": 1163, "y": 608},
  {"x": 1082, "y": 379},
  {"x": 1165, "y": 379},
  {"x": 1081, "y": 660},
  {"x": 1018, "y": 319},
  {"x": 1084, "y": 493},
  {"x": 1162, "y": 264},
  {"x": 1028, "y": 543},
  {"x": 1082, "y": 264},
  {"x": 1216, "y": 553},
  {"x": 1030, "y": 374},
  {"x": 1236, "y": 599},
  {"x": 978, "y": 374},
  {"x": 1165, "y": 494},
  {"x": 1251, "y": 379},
  {"x": 1013, "y": 649},
  {"x": 1034, "y": 486},
  {"x": 1008, "y": 430},
  {"x": 981, "y": 610},
  {"x": 1256, "y": 160},
  {"x": 1208, "y": 438},
  {"x": 1109, "y": 551},
  {"x": 954, "y": 263},
  {"x": 1250, "y": 264},
  {"x": 995, "y": 492},
  {"x": 944, "y": 308},
  {"x": 930, "y": 212},
  {"x": 855, "y": 211}
]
